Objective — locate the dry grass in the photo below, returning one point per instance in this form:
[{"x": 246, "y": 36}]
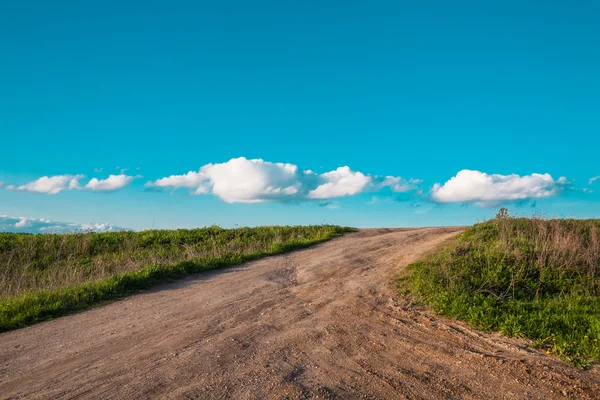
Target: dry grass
[
  {"x": 29, "y": 263},
  {"x": 534, "y": 278},
  {"x": 561, "y": 254},
  {"x": 45, "y": 276}
]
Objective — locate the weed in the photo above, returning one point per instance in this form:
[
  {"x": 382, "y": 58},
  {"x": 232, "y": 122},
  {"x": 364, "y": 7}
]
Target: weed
[
  {"x": 46, "y": 276},
  {"x": 533, "y": 278}
]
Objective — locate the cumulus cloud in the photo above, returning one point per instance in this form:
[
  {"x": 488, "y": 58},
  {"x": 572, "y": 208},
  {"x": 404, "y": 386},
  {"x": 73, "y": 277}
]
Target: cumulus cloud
[
  {"x": 23, "y": 223},
  {"x": 241, "y": 180},
  {"x": 594, "y": 179},
  {"x": 340, "y": 182},
  {"x": 477, "y": 187},
  {"x": 42, "y": 225},
  {"x": 50, "y": 184},
  {"x": 238, "y": 180},
  {"x": 252, "y": 181},
  {"x": 194, "y": 181},
  {"x": 110, "y": 184}
]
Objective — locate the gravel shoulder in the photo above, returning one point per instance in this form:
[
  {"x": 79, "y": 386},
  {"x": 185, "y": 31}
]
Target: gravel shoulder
[{"x": 322, "y": 322}]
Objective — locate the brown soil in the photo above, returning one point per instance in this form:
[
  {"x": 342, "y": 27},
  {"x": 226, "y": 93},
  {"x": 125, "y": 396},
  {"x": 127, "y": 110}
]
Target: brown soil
[{"x": 324, "y": 322}]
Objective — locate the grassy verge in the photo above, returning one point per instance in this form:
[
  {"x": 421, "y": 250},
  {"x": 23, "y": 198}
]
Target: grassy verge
[
  {"x": 46, "y": 276},
  {"x": 532, "y": 278}
]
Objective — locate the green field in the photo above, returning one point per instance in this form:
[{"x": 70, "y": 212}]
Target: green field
[
  {"x": 49, "y": 275},
  {"x": 532, "y": 278}
]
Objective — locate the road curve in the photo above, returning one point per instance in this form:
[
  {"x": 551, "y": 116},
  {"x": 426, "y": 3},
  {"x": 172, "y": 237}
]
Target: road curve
[{"x": 323, "y": 322}]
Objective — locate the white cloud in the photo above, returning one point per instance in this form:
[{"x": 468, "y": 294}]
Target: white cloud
[
  {"x": 594, "y": 179},
  {"x": 195, "y": 181},
  {"x": 252, "y": 181},
  {"x": 98, "y": 169},
  {"x": 42, "y": 225},
  {"x": 98, "y": 227},
  {"x": 22, "y": 223},
  {"x": 50, "y": 184},
  {"x": 58, "y": 183},
  {"x": 486, "y": 190},
  {"x": 110, "y": 184},
  {"x": 340, "y": 182},
  {"x": 240, "y": 180}
]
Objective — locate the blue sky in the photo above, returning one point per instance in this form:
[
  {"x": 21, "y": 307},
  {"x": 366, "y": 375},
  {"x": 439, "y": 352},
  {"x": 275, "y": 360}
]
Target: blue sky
[{"x": 403, "y": 90}]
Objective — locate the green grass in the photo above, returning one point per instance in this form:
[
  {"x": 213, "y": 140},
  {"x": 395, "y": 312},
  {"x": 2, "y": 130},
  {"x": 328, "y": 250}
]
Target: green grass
[
  {"x": 531, "y": 278},
  {"x": 46, "y": 276}
]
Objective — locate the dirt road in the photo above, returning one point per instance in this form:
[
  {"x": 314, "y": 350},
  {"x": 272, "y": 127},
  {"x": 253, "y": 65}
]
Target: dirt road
[{"x": 323, "y": 322}]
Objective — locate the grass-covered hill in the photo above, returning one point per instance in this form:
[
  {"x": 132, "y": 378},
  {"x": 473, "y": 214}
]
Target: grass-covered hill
[
  {"x": 48, "y": 275},
  {"x": 533, "y": 278}
]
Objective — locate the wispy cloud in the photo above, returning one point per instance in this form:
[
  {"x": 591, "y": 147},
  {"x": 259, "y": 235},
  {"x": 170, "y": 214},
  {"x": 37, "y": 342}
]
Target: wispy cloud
[
  {"x": 374, "y": 200},
  {"x": 110, "y": 184},
  {"x": 483, "y": 189},
  {"x": 50, "y": 184},
  {"x": 594, "y": 179},
  {"x": 42, "y": 225},
  {"x": 240, "y": 180},
  {"x": 58, "y": 183},
  {"x": 400, "y": 185}
]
